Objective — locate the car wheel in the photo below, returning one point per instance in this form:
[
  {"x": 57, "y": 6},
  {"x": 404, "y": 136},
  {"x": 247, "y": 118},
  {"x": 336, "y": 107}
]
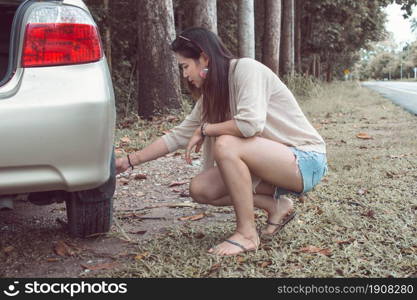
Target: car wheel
[{"x": 90, "y": 212}]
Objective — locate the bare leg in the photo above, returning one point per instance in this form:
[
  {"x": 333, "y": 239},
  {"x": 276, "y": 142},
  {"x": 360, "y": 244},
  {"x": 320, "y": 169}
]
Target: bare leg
[
  {"x": 209, "y": 188},
  {"x": 271, "y": 161}
]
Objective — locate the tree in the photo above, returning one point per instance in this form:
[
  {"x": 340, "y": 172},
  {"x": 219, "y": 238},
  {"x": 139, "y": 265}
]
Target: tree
[
  {"x": 287, "y": 40},
  {"x": 107, "y": 36},
  {"x": 246, "y": 29},
  {"x": 158, "y": 76},
  {"x": 299, "y": 7},
  {"x": 338, "y": 29},
  {"x": 205, "y": 14},
  {"x": 272, "y": 35}
]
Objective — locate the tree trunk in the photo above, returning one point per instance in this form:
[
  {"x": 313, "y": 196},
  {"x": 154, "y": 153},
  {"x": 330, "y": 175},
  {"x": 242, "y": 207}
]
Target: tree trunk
[
  {"x": 272, "y": 35},
  {"x": 205, "y": 14},
  {"x": 108, "y": 33},
  {"x": 306, "y": 33},
  {"x": 313, "y": 66},
  {"x": 287, "y": 43},
  {"x": 318, "y": 67},
  {"x": 299, "y": 6},
  {"x": 246, "y": 29},
  {"x": 158, "y": 76},
  {"x": 329, "y": 70}
]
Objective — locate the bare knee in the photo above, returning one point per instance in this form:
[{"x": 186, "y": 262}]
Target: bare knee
[
  {"x": 225, "y": 147},
  {"x": 199, "y": 191}
]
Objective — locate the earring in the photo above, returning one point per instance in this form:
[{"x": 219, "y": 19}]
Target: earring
[{"x": 203, "y": 73}]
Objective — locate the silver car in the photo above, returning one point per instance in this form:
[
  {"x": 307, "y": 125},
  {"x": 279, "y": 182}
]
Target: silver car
[{"x": 57, "y": 111}]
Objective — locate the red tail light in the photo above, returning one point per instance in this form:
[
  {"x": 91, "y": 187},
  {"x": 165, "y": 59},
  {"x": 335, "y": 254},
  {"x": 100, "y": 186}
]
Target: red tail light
[{"x": 53, "y": 44}]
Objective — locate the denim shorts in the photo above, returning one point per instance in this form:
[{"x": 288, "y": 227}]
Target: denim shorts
[{"x": 312, "y": 166}]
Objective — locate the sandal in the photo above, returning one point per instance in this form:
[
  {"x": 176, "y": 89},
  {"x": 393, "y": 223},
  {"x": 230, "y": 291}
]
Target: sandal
[
  {"x": 279, "y": 226},
  {"x": 244, "y": 249}
]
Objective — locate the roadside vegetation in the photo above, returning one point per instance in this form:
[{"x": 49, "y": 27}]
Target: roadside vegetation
[{"x": 359, "y": 222}]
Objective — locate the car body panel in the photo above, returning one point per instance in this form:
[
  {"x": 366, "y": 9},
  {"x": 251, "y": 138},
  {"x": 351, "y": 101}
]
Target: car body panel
[{"x": 56, "y": 127}]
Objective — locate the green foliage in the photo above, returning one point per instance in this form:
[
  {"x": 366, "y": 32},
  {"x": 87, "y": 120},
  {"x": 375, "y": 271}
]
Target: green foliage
[
  {"x": 384, "y": 61},
  {"x": 120, "y": 20},
  {"x": 333, "y": 30},
  {"x": 337, "y": 29},
  {"x": 303, "y": 86}
]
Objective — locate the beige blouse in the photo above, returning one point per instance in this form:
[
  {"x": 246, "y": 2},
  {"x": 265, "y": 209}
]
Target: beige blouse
[{"x": 260, "y": 105}]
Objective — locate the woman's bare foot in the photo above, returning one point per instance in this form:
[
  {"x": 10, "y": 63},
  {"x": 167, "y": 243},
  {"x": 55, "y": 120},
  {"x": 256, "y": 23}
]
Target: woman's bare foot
[
  {"x": 236, "y": 244},
  {"x": 279, "y": 210}
]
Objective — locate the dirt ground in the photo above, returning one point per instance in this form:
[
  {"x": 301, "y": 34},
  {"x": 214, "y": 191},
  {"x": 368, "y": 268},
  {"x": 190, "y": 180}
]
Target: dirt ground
[
  {"x": 35, "y": 242},
  {"x": 359, "y": 222}
]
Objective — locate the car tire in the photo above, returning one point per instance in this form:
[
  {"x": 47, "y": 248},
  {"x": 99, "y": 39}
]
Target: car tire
[{"x": 91, "y": 212}]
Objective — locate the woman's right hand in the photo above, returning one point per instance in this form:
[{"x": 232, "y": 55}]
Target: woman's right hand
[
  {"x": 195, "y": 141},
  {"x": 122, "y": 164}
]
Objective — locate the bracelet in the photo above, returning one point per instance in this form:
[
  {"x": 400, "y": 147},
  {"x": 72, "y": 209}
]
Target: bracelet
[
  {"x": 203, "y": 129},
  {"x": 130, "y": 164}
]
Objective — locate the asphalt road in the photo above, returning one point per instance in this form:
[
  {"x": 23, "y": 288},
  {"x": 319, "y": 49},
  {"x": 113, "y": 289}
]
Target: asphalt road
[{"x": 401, "y": 93}]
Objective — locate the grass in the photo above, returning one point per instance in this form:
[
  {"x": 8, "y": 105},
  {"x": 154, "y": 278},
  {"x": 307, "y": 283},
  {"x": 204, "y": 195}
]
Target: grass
[{"x": 361, "y": 218}]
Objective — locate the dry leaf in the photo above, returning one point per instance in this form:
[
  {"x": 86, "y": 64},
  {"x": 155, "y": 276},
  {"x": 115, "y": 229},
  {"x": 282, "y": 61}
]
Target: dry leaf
[
  {"x": 346, "y": 242},
  {"x": 369, "y": 214},
  {"x": 314, "y": 249},
  {"x": 265, "y": 264},
  {"x": 364, "y": 136},
  {"x": 8, "y": 249},
  {"x": 214, "y": 268},
  {"x": 125, "y": 141},
  {"x": 139, "y": 176},
  {"x": 171, "y": 118},
  {"x": 176, "y": 205},
  {"x": 303, "y": 198},
  {"x": 118, "y": 152},
  {"x": 63, "y": 249},
  {"x": 240, "y": 259},
  {"x": 138, "y": 232},
  {"x": 199, "y": 235},
  {"x": 411, "y": 250},
  {"x": 130, "y": 149},
  {"x": 339, "y": 272},
  {"x": 105, "y": 266},
  {"x": 131, "y": 215},
  {"x": 52, "y": 259},
  {"x": 141, "y": 255},
  {"x": 175, "y": 183},
  {"x": 391, "y": 174},
  {"x": 123, "y": 181},
  {"x": 318, "y": 209},
  {"x": 192, "y": 218}
]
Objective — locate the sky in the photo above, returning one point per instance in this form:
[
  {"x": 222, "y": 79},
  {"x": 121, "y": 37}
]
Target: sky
[{"x": 399, "y": 26}]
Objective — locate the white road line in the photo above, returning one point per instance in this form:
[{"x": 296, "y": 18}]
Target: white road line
[{"x": 390, "y": 88}]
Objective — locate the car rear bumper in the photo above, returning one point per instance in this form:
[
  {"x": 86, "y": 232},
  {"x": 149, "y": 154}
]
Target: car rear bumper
[{"x": 57, "y": 129}]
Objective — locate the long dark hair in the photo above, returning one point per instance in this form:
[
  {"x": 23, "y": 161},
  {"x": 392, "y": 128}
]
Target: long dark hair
[{"x": 191, "y": 43}]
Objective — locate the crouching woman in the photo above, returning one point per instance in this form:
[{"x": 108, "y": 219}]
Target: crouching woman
[{"x": 257, "y": 143}]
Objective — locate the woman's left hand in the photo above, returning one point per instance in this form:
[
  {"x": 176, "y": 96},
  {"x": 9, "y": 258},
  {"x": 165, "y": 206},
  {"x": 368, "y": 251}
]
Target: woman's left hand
[{"x": 196, "y": 140}]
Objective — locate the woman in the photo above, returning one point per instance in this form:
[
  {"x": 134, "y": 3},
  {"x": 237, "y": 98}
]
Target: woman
[{"x": 258, "y": 145}]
